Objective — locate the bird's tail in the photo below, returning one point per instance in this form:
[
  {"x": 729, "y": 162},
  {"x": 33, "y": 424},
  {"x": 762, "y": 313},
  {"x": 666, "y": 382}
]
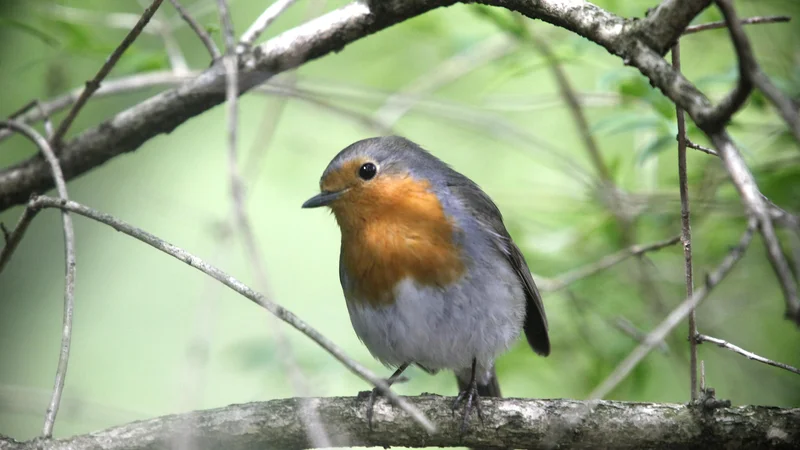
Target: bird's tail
[{"x": 490, "y": 389}]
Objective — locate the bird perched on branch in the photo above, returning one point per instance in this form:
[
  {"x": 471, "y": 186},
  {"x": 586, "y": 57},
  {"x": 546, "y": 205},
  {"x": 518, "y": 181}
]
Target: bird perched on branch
[{"x": 429, "y": 272}]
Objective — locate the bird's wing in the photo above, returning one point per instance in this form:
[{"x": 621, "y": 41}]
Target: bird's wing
[{"x": 487, "y": 213}]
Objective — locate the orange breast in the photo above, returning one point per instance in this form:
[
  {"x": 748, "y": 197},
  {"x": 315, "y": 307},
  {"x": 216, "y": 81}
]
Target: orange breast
[{"x": 395, "y": 228}]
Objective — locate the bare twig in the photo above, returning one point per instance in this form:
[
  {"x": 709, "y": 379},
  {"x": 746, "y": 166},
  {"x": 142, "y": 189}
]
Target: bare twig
[
  {"x": 171, "y": 47},
  {"x": 231, "y": 101},
  {"x": 48, "y": 124},
  {"x": 676, "y": 316},
  {"x": 751, "y": 72},
  {"x": 93, "y": 84},
  {"x": 39, "y": 202},
  {"x": 761, "y": 209},
  {"x": 748, "y": 21},
  {"x": 230, "y": 61},
  {"x": 702, "y": 376},
  {"x": 264, "y": 20},
  {"x": 626, "y": 326},
  {"x": 15, "y": 237},
  {"x": 69, "y": 277},
  {"x": 132, "y": 83},
  {"x": 707, "y": 150},
  {"x": 569, "y": 96},
  {"x": 242, "y": 220},
  {"x": 686, "y": 230},
  {"x": 201, "y": 33},
  {"x": 6, "y": 233},
  {"x": 745, "y": 353},
  {"x": 564, "y": 280}
]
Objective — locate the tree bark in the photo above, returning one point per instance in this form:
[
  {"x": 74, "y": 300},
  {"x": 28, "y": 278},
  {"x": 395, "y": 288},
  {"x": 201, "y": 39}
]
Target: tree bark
[{"x": 516, "y": 423}]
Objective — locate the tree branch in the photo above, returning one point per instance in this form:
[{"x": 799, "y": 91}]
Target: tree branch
[
  {"x": 745, "y": 353},
  {"x": 759, "y": 208},
  {"x": 264, "y": 20},
  {"x": 564, "y": 280},
  {"x": 510, "y": 422},
  {"x": 748, "y": 21},
  {"x": 162, "y": 113},
  {"x": 686, "y": 230},
  {"x": 751, "y": 72}
]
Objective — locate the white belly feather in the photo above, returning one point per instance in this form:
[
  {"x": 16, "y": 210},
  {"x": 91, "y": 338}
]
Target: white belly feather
[{"x": 444, "y": 328}]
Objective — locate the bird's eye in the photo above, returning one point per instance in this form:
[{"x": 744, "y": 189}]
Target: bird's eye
[{"x": 367, "y": 171}]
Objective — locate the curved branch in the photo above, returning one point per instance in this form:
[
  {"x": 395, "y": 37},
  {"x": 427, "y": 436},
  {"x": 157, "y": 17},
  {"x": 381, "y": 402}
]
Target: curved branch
[
  {"x": 162, "y": 113},
  {"x": 515, "y": 423}
]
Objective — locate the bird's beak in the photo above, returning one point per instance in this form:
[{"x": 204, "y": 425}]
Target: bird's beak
[{"x": 322, "y": 199}]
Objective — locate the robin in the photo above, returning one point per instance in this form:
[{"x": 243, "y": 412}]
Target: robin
[{"x": 430, "y": 275}]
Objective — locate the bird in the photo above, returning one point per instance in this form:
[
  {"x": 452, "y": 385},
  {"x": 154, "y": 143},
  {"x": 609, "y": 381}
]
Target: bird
[{"x": 430, "y": 274}]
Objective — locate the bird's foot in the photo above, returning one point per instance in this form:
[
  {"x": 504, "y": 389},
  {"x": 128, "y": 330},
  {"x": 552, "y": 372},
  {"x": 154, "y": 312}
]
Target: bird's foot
[
  {"x": 471, "y": 399},
  {"x": 375, "y": 393}
]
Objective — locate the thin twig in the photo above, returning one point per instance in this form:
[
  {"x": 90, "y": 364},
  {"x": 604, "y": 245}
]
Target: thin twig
[
  {"x": 702, "y": 376},
  {"x": 745, "y": 353},
  {"x": 564, "y": 280},
  {"x": 6, "y": 233},
  {"x": 201, "y": 33},
  {"x": 717, "y": 118},
  {"x": 569, "y": 96},
  {"x": 230, "y": 61},
  {"x": 260, "y": 25},
  {"x": 15, "y": 237},
  {"x": 39, "y": 202},
  {"x": 748, "y": 21},
  {"x": 626, "y": 326},
  {"x": 132, "y": 83},
  {"x": 69, "y": 277},
  {"x": 686, "y": 230},
  {"x": 171, "y": 47},
  {"x": 676, "y": 316},
  {"x": 48, "y": 124},
  {"x": 94, "y": 83},
  {"x": 762, "y": 209},
  {"x": 752, "y": 73},
  {"x": 241, "y": 217},
  {"x": 707, "y": 150}
]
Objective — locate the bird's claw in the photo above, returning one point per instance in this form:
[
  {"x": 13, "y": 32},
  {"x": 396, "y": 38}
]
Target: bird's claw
[
  {"x": 471, "y": 398},
  {"x": 375, "y": 393}
]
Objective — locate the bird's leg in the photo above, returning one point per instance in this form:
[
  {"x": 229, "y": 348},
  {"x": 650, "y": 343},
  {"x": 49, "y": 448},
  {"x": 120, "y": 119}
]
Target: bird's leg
[
  {"x": 471, "y": 397},
  {"x": 396, "y": 377}
]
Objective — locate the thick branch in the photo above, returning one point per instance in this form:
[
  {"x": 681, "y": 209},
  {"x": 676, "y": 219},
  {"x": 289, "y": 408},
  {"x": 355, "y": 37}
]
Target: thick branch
[
  {"x": 162, "y": 113},
  {"x": 515, "y": 423}
]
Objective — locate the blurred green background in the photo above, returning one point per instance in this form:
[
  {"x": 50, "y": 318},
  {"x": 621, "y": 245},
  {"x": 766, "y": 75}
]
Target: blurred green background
[{"x": 153, "y": 336}]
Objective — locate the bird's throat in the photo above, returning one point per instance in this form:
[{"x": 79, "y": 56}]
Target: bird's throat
[{"x": 399, "y": 233}]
